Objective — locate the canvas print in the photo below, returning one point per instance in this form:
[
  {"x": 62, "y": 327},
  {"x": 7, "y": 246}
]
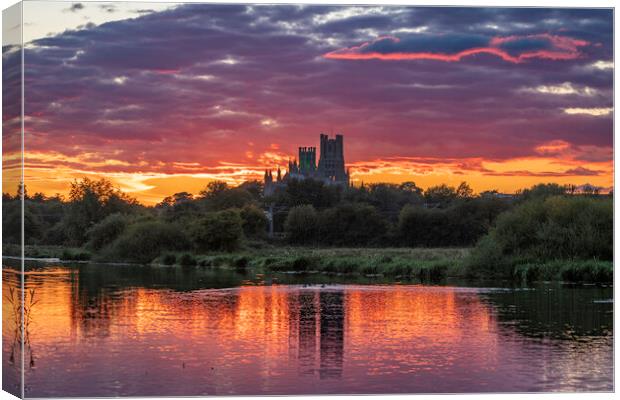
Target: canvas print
[{"x": 257, "y": 199}]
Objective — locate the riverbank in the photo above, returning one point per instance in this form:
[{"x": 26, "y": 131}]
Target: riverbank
[{"x": 427, "y": 264}]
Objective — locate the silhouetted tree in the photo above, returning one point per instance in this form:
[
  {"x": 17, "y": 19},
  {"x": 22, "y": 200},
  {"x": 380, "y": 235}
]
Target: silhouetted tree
[{"x": 301, "y": 225}]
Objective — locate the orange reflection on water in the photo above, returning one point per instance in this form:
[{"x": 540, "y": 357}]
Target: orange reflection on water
[{"x": 94, "y": 340}]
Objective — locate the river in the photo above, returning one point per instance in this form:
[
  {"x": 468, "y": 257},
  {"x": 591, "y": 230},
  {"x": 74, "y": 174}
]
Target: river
[{"x": 103, "y": 330}]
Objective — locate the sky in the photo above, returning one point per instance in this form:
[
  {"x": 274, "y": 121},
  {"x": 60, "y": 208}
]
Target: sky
[{"x": 163, "y": 98}]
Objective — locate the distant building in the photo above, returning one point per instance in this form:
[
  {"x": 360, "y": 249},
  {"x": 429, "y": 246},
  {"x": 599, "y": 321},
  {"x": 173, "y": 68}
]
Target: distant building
[{"x": 330, "y": 169}]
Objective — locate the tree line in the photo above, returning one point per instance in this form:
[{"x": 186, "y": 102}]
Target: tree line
[{"x": 107, "y": 222}]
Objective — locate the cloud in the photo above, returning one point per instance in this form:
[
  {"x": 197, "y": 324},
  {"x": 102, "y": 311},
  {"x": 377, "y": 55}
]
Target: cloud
[
  {"x": 75, "y": 7},
  {"x": 603, "y": 65},
  {"x": 110, "y": 8},
  {"x": 579, "y": 171},
  {"x": 452, "y": 48},
  {"x": 565, "y": 88},
  {"x": 595, "y": 112}
]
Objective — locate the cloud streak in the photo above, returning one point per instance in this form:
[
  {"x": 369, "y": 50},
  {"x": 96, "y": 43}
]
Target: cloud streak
[{"x": 452, "y": 48}]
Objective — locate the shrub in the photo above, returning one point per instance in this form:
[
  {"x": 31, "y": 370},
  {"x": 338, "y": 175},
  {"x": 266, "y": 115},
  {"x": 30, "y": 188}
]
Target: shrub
[
  {"x": 56, "y": 235},
  {"x": 461, "y": 224},
  {"x": 303, "y": 263},
  {"x": 351, "y": 225},
  {"x": 169, "y": 259},
  {"x": 75, "y": 255},
  {"x": 254, "y": 221},
  {"x": 242, "y": 262},
  {"x": 546, "y": 229},
  {"x": 187, "y": 259},
  {"x": 487, "y": 259},
  {"x": 106, "y": 231},
  {"x": 143, "y": 241},
  {"x": 218, "y": 231}
]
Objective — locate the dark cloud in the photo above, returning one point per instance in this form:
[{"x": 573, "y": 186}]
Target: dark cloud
[
  {"x": 110, "y": 8},
  {"x": 453, "y": 47},
  {"x": 427, "y": 43},
  {"x": 75, "y": 7}
]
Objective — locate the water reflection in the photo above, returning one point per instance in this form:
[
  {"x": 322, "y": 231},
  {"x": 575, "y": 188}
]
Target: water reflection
[
  {"x": 12, "y": 334},
  {"x": 98, "y": 332}
]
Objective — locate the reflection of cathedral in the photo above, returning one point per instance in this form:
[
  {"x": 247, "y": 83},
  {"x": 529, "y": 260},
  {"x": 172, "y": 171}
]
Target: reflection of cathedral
[
  {"x": 320, "y": 333},
  {"x": 307, "y": 333},
  {"x": 330, "y": 169},
  {"x": 332, "y": 334}
]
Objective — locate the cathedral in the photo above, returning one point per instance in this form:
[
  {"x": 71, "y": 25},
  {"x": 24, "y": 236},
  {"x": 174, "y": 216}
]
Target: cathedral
[{"x": 330, "y": 169}]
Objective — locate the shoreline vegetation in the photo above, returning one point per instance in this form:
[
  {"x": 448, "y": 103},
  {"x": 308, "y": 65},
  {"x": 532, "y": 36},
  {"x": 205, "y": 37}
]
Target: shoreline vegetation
[
  {"x": 424, "y": 264},
  {"x": 547, "y": 232}
]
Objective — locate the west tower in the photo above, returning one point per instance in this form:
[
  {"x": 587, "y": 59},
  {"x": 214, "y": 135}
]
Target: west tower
[{"x": 331, "y": 161}]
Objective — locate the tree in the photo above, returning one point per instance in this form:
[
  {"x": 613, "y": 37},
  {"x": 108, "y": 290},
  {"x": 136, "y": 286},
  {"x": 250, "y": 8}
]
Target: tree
[
  {"x": 254, "y": 221},
  {"x": 218, "y": 196},
  {"x": 176, "y": 199},
  {"x": 542, "y": 190},
  {"x": 91, "y": 201},
  {"x": 419, "y": 226},
  {"x": 106, "y": 231},
  {"x": 554, "y": 228},
  {"x": 255, "y": 188},
  {"x": 464, "y": 191},
  {"x": 301, "y": 225},
  {"x": 440, "y": 195},
  {"x": 411, "y": 187},
  {"x": 351, "y": 225},
  {"x": 178, "y": 207},
  {"x": 389, "y": 198},
  {"x": 308, "y": 191},
  {"x": 213, "y": 188},
  {"x": 144, "y": 241},
  {"x": 221, "y": 230}
]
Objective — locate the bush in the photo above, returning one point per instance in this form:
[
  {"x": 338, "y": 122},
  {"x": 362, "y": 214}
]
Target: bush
[
  {"x": 56, "y": 235},
  {"x": 420, "y": 226},
  {"x": 144, "y": 241},
  {"x": 75, "y": 255},
  {"x": 169, "y": 259},
  {"x": 254, "y": 221},
  {"x": 558, "y": 228},
  {"x": 547, "y": 229},
  {"x": 487, "y": 259},
  {"x": 218, "y": 231},
  {"x": 106, "y": 231},
  {"x": 187, "y": 260},
  {"x": 461, "y": 224},
  {"x": 351, "y": 225},
  {"x": 242, "y": 262}
]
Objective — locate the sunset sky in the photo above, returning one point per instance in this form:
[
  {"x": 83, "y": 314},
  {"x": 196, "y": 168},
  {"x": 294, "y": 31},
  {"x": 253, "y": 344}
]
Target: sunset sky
[{"x": 165, "y": 98}]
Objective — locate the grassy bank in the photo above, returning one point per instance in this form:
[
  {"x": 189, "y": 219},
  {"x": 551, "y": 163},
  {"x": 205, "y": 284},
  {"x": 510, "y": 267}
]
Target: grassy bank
[
  {"x": 418, "y": 263},
  {"x": 429, "y": 264},
  {"x": 60, "y": 252},
  {"x": 594, "y": 271}
]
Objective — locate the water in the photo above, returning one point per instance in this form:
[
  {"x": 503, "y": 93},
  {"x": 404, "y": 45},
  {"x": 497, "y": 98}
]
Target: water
[{"x": 137, "y": 331}]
